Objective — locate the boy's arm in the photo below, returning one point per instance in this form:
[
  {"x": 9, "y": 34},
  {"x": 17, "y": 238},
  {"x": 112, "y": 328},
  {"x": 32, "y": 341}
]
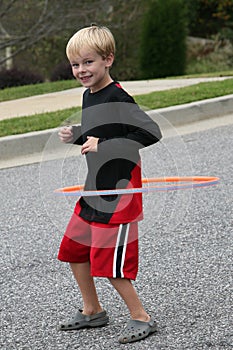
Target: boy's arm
[
  {"x": 145, "y": 136},
  {"x": 140, "y": 129}
]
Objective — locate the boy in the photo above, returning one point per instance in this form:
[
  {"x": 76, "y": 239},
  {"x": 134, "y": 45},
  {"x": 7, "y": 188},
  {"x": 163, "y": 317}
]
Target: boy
[{"x": 101, "y": 239}]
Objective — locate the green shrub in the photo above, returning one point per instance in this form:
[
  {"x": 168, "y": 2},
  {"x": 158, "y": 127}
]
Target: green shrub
[
  {"x": 204, "y": 56},
  {"x": 163, "y": 44}
]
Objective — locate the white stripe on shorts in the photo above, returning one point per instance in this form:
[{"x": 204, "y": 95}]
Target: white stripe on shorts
[{"x": 120, "y": 251}]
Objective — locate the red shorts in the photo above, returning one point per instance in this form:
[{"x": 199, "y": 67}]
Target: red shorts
[{"x": 111, "y": 249}]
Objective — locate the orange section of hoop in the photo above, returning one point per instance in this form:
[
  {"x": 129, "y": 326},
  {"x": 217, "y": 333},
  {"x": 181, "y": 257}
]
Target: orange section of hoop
[
  {"x": 181, "y": 179},
  {"x": 194, "y": 179},
  {"x": 71, "y": 188}
]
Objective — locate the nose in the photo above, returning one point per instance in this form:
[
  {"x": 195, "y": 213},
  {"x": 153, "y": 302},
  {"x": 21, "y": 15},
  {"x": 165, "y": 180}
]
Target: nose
[{"x": 81, "y": 68}]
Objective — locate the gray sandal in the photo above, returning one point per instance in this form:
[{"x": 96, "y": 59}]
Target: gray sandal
[
  {"x": 137, "y": 330},
  {"x": 83, "y": 321}
]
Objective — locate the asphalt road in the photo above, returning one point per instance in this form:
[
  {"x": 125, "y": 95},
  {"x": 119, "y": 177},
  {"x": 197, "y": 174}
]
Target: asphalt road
[{"x": 185, "y": 270}]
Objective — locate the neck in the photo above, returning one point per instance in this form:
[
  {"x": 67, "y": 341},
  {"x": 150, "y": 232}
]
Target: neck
[{"x": 105, "y": 83}]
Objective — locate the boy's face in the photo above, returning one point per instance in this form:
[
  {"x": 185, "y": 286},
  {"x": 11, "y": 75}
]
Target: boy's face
[{"x": 91, "y": 69}]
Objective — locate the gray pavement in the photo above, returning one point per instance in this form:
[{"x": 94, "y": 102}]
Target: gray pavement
[
  {"x": 185, "y": 270},
  {"x": 185, "y": 242}
]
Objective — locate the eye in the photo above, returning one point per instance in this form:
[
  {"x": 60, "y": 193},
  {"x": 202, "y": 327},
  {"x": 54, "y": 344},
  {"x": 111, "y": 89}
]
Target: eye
[
  {"x": 74, "y": 65},
  {"x": 89, "y": 62}
]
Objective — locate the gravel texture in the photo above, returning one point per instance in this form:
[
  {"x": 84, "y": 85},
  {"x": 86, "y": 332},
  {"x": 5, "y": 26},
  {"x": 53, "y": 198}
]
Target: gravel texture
[{"x": 185, "y": 275}]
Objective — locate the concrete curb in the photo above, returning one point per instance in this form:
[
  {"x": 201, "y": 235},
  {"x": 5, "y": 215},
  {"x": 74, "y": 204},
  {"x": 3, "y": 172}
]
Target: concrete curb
[
  {"x": 24, "y": 144},
  {"x": 35, "y": 142},
  {"x": 195, "y": 111}
]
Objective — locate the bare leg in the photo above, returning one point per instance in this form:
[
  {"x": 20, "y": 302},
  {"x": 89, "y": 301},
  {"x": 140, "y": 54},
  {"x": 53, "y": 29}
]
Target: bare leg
[
  {"x": 87, "y": 288},
  {"x": 128, "y": 293}
]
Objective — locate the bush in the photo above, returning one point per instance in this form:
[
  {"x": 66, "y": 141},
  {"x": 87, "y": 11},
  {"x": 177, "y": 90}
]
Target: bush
[
  {"x": 62, "y": 71},
  {"x": 206, "y": 55},
  {"x": 163, "y": 44},
  {"x": 16, "y": 77}
]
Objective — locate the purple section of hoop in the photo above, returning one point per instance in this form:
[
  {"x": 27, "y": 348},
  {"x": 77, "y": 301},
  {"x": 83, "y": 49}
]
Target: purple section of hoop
[{"x": 139, "y": 190}]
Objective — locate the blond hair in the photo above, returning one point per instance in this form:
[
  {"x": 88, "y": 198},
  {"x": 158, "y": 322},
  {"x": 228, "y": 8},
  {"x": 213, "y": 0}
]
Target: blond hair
[{"x": 97, "y": 38}]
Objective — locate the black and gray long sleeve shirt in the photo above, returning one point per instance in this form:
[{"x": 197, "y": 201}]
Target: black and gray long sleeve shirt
[{"x": 112, "y": 115}]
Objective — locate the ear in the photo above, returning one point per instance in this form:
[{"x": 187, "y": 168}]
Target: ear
[{"x": 109, "y": 60}]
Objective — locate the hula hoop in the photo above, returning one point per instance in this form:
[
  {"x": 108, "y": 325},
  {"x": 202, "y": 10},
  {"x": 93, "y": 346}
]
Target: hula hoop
[{"x": 177, "y": 183}]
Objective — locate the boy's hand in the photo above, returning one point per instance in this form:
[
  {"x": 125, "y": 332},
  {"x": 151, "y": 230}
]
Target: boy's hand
[
  {"x": 90, "y": 145},
  {"x": 66, "y": 134}
]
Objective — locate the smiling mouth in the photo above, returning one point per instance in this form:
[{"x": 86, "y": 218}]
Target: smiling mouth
[{"x": 84, "y": 79}]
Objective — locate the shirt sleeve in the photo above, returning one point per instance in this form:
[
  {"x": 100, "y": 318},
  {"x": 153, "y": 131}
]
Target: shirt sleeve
[
  {"x": 140, "y": 131},
  {"x": 143, "y": 129},
  {"x": 77, "y": 135}
]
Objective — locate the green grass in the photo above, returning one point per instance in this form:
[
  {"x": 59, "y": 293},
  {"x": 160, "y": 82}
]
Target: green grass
[
  {"x": 14, "y": 93},
  {"x": 225, "y": 73},
  {"x": 39, "y": 122},
  {"x": 187, "y": 94},
  {"x": 154, "y": 100}
]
